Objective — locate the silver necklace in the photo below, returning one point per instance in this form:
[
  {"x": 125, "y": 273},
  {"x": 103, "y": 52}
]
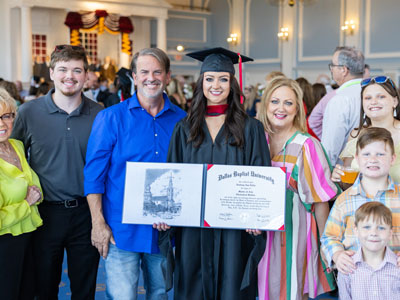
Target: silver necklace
[{"x": 8, "y": 155}]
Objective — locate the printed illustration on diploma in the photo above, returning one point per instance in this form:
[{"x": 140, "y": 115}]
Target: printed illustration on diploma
[{"x": 161, "y": 198}]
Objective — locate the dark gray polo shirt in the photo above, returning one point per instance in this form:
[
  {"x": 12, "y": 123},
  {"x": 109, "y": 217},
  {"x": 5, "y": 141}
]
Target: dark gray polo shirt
[{"x": 57, "y": 143}]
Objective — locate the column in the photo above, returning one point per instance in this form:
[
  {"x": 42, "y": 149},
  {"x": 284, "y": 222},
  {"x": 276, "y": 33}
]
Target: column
[
  {"x": 26, "y": 43},
  {"x": 288, "y": 48},
  {"x": 6, "y": 64},
  {"x": 124, "y": 59},
  {"x": 162, "y": 33},
  {"x": 237, "y": 24},
  {"x": 352, "y": 12}
]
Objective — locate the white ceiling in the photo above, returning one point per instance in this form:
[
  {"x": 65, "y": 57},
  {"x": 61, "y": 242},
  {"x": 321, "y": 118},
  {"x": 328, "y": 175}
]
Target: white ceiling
[{"x": 190, "y": 4}]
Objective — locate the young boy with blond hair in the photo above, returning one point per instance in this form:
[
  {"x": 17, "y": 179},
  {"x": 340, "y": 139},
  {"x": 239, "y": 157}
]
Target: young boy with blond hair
[
  {"x": 377, "y": 275},
  {"x": 375, "y": 155}
]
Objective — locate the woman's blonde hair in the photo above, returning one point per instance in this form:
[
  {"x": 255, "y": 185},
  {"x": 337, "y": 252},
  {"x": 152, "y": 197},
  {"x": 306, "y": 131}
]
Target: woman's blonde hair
[
  {"x": 7, "y": 103},
  {"x": 300, "y": 118}
]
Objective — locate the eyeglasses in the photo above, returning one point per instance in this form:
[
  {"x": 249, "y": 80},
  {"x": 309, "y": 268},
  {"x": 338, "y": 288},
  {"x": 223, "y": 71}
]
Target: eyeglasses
[
  {"x": 331, "y": 65},
  {"x": 62, "y": 47},
  {"x": 7, "y": 117},
  {"x": 377, "y": 79}
]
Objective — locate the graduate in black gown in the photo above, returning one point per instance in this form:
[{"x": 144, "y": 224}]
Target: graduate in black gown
[{"x": 216, "y": 263}]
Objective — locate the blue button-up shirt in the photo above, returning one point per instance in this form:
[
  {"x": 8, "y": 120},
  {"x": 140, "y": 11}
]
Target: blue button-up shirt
[{"x": 121, "y": 133}]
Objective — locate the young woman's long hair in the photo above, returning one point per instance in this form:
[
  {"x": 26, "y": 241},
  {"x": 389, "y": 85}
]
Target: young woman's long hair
[{"x": 235, "y": 114}]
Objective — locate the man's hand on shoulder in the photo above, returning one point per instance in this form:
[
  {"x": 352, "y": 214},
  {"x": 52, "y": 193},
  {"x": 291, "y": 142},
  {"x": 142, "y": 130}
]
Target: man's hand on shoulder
[{"x": 343, "y": 261}]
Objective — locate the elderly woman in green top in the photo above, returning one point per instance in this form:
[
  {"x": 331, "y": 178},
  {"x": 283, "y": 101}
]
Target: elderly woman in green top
[{"x": 19, "y": 195}]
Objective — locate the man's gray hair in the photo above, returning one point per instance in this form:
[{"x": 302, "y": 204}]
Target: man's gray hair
[
  {"x": 351, "y": 58},
  {"x": 157, "y": 53}
]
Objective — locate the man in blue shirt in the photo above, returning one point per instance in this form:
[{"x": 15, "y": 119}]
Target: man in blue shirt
[{"x": 138, "y": 129}]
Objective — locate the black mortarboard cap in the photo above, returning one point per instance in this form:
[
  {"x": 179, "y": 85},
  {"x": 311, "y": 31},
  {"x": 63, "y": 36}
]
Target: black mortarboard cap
[
  {"x": 124, "y": 76},
  {"x": 218, "y": 60}
]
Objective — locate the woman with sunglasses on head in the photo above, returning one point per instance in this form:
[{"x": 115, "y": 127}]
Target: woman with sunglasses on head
[
  {"x": 292, "y": 267},
  {"x": 380, "y": 108},
  {"x": 19, "y": 195},
  {"x": 213, "y": 264}
]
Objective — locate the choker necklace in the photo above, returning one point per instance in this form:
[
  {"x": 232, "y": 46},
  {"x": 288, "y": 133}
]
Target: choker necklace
[{"x": 216, "y": 110}]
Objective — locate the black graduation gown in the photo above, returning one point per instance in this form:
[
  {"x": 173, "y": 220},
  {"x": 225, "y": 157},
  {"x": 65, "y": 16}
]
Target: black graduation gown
[{"x": 215, "y": 263}]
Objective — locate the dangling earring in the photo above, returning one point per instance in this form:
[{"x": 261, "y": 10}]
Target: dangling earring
[{"x": 364, "y": 119}]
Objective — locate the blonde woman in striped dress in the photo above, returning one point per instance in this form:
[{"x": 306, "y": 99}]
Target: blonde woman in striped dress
[{"x": 292, "y": 267}]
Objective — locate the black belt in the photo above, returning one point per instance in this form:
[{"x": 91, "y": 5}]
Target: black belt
[{"x": 70, "y": 203}]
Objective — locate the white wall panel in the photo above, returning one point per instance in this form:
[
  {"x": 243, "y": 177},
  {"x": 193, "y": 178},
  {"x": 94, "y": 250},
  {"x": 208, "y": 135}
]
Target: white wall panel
[
  {"x": 382, "y": 24},
  {"x": 262, "y": 27},
  {"x": 319, "y": 29}
]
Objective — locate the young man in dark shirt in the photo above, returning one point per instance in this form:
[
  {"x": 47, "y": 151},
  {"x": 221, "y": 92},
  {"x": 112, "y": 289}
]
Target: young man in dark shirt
[{"x": 55, "y": 129}]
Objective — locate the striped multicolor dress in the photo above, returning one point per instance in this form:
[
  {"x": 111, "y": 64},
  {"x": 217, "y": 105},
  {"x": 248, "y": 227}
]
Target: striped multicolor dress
[{"x": 291, "y": 265}]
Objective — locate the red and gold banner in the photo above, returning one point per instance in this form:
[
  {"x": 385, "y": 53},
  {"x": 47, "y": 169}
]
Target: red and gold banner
[{"x": 100, "y": 21}]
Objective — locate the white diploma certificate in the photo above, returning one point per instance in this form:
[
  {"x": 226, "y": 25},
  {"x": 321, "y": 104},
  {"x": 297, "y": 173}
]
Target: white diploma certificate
[
  {"x": 245, "y": 197},
  {"x": 197, "y": 195}
]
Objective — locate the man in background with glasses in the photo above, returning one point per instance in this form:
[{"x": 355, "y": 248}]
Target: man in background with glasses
[
  {"x": 342, "y": 113},
  {"x": 55, "y": 130}
]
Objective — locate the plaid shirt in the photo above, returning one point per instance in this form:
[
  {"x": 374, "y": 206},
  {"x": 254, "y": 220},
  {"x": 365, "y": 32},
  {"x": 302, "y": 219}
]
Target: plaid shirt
[
  {"x": 366, "y": 283},
  {"x": 339, "y": 228}
]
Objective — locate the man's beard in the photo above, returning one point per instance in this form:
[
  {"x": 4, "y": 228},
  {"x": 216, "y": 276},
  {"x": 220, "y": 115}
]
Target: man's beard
[
  {"x": 69, "y": 94},
  {"x": 154, "y": 93}
]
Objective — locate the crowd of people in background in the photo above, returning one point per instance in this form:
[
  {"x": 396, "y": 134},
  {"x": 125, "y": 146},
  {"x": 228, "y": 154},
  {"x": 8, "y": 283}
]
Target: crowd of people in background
[
  {"x": 108, "y": 86},
  {"x": 80, "y": 122}
]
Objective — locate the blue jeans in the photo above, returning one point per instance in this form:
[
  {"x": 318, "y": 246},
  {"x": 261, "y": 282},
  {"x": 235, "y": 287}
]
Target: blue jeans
[{"x": 122, "y": 274}]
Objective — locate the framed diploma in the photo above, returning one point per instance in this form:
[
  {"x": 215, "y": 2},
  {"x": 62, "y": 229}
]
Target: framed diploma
[{"x": 196, "y": 195}]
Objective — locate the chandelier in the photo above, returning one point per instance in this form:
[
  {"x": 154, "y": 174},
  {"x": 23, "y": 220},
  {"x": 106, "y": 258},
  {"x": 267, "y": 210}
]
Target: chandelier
[{"x": 291, "y": 3}]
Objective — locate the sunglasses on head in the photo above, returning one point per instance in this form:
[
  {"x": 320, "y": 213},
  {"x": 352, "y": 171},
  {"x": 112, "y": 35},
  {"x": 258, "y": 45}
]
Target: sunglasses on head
[
  {"x": 377, "y": 79},
  {"x": 62, "y": 47}
]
